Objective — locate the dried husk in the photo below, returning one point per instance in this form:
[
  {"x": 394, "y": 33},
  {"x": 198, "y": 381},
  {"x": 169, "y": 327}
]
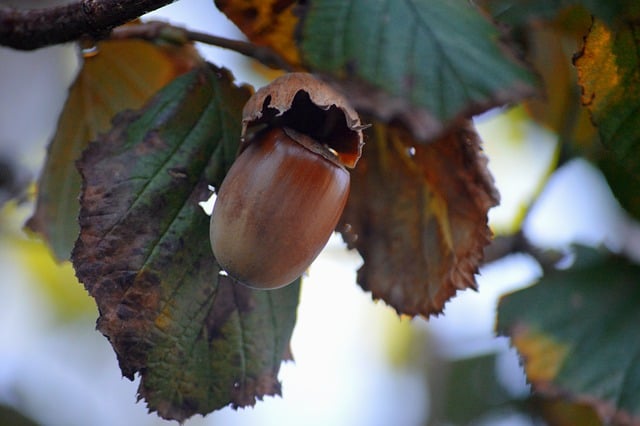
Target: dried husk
[{"x": 310, "y": 106}]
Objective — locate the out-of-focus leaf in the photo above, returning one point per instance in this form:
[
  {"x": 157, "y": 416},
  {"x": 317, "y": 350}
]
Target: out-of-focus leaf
[
  {"x": 13, "y": 182},
  {"x": 197, "y": 340},
  {"x": 56, "y": 281},
  {"x": 577, "y": 332},
  {"x": 609, "y": 73},
  {"x": 523, "y": 156},
  {"x": 550, "y": 48},
  {"x": 418, "y": 216},
  {"x": 123, "y": 74},
  {"x": 423, "y": 62},
  {"x": 11, "y": 416},
  {"x": 560, "y": 412},
  {"x": 624, "y": 182},
  {"x": 517, "y": 12},
  {"x": 270, "y": 23},
  {"x": 472, "y": 392}
]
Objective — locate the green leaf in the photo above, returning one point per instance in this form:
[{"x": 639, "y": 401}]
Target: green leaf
[
  {"x": 609, "y": 73},
  {"x": 472, "y": 391},
  {"x": 197, "y": 340},
  {"x": 425, "y": 62},
  {"x": 122, "y": 74},
  {"x": 517, "y": 12},
  {"x": 623, "y": 181},
  {"x": 577, "y": 331}
]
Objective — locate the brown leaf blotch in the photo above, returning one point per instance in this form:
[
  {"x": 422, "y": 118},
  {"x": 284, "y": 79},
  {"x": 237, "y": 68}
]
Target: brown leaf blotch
[{"x": 230, "y": 297}]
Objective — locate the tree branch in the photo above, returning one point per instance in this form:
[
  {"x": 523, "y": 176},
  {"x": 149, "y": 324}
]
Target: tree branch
[
  {"x": 34, "y": 28},
  {"x": 154, "y": 30},
  {"x": 518, "y": 243}
]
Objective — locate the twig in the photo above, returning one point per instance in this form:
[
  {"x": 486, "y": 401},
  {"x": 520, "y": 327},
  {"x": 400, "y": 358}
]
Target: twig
[
  {"x": 519, "y": 243},
  {"x": 34, "y": 28},
  {"x": 155, "y": 30}
]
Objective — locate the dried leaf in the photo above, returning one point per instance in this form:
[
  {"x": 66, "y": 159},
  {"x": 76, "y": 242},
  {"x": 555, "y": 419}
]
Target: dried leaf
[
  {"x": 270, "y": 23},
  {"x": 197, "y": 340},
  {"x": 123, "y": 74},
  {"x": 295, "y": 99},
  {"x": 418, "y": 216}
]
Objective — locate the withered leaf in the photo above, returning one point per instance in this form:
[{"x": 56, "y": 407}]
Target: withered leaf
[
  {"x": 418, "y": 216},
  {"x": 197, "y": 340},
  {"x": 270, "y": 23},
  {"x": 123, "y": 74}
]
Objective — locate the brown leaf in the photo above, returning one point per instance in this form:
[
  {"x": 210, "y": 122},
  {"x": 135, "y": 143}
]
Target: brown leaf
[
  {"x": 418, "y": 216},
  {"x": 270, "y": 23}
]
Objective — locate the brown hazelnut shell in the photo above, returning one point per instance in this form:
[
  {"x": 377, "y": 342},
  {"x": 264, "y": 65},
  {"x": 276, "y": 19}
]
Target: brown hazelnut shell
[{"x": 276, "y": 208}]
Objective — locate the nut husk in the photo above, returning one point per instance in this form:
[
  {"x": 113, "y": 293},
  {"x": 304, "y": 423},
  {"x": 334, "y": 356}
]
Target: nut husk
[{"x": 310, "y": 106}]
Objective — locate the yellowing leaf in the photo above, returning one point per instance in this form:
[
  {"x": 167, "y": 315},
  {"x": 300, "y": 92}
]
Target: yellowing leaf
[
  {"x": 599, "y": 70},
  {"x": 122, "y": 75},
  {"x": 418, "y": 216},
  {"x": 57, "y": 282},
  {"x": 560, "y": 412},
  {"x": 270, "y": 23},
  {"x": 543, "y": 354},
  {"x": 609, "y": 73}
]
